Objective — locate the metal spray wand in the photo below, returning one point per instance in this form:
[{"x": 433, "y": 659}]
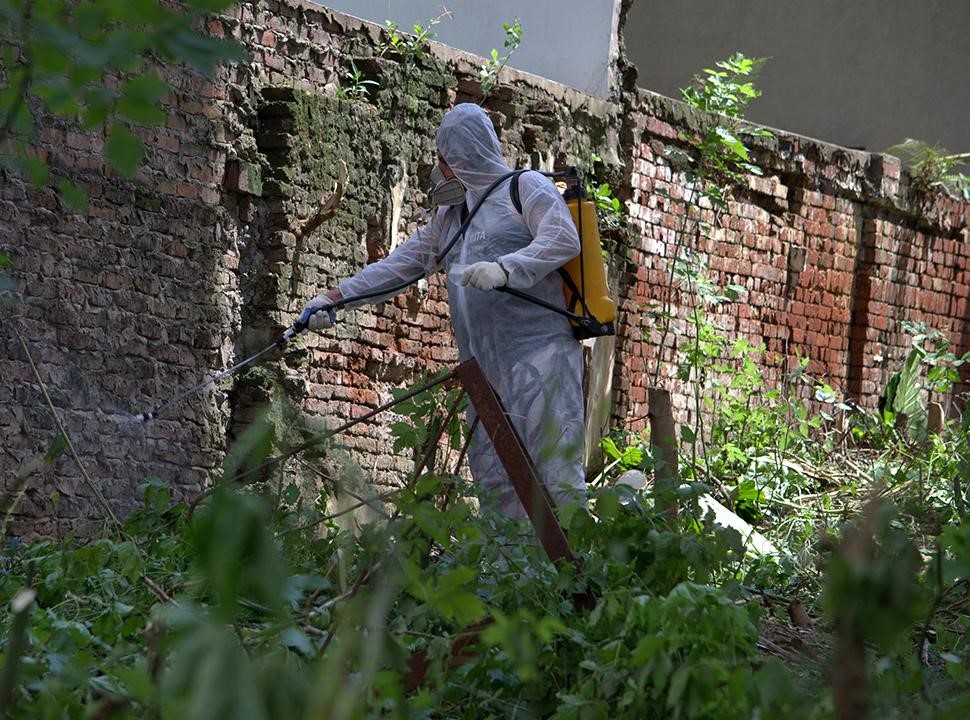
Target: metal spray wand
[{"x": 298, "y": 327}]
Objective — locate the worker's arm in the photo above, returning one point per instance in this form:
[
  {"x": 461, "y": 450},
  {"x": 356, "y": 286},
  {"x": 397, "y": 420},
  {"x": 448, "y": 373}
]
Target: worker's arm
[
  {"x": 554, "y": 237},
  {"x": 408, "y": 262},
  {"x": 411, "y": 260}
]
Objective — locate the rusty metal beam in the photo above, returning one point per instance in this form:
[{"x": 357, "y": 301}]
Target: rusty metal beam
[
  {"x": 461, "y": 652},
  {"x": 532, "y": 493},
  {"x": 518, "y": 465}
]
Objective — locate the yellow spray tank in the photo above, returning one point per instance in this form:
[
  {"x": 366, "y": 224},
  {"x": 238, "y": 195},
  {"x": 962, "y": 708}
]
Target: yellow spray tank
[
  {"x": 590, "y": 309},
  {"x": 586, "y": 290}
]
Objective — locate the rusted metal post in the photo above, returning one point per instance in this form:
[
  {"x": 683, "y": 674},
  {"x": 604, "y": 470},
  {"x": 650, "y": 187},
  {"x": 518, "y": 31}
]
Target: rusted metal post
[
  {"x": 461, "y": 652},
  {"x": 521, "y": 472},
  {"x": 532, "y": 493},
  {"x": 518, "y": 465}
]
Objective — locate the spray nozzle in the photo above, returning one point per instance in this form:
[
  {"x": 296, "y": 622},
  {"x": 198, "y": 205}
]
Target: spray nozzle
[{"x": 295, "y": 329}]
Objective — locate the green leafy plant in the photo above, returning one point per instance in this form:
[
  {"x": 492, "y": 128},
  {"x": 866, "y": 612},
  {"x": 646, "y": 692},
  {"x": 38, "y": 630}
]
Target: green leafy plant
[
  {"x": 609, "y": 210},
  {"x": 356, "y": 86},
  {"x": 930, "y": 367},
  {"x": 225, "y": 608},
  {"x": 92, "y": 62},
  {"x": 718, "y": 156},
  {"x": 411, "y": 46},
  {"x": 713, "y": 160},
  {"x": 932, "y": 168},
  {"x": 489, "y": 71},
  {"x": 409, "y": 50},
  {"x": 243, "y": 605},
  {"x": 624, "y": 453}
]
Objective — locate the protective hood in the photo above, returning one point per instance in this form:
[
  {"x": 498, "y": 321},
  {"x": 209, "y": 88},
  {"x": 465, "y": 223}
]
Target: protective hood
[{"x": 467, "y": 142}]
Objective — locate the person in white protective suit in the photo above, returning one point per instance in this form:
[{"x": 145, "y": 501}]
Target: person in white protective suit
[{"x": 527, "y": 352}]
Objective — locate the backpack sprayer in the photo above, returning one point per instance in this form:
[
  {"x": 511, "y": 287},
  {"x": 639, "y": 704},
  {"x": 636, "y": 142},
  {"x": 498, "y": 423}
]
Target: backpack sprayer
[{"x": 588, "y": 306}]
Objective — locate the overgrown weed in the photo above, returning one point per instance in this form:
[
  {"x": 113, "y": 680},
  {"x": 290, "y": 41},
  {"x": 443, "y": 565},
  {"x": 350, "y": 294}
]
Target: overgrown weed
[{"x": 176, "y": 613}]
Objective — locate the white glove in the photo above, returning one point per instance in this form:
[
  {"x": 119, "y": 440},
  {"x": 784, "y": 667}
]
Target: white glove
[
  {"x": 317, "y": 315},
  {"x": 484, "y": 275}
]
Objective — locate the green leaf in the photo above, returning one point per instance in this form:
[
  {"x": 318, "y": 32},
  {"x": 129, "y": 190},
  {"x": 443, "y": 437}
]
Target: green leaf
[
  {"x": 295, "y": 639},
  {"x": 574, "y": 701},
  {"x": 139, "y": 97},
  {"x": 607, "y": 504},
  {"x": 56, "y": 449},
  {"x": 291, "y": 494},
  {"x": 72, "y": 195},
  {"x": 734, "y": 291},
  {"x": 731, "y": 142},
  {"x": 748, "y": 492},
  {"x": 97, "y": 104},
  {"x": 124, "y": 150},
  {"x": 678, "y": 683},
  {"x": 48, "y": 50},
  {"x": 632, "y": 456},
  {"x": 149, "y": 87},
  {"x": 129, "y": 560},
  {"x": 454, "y": 601},
  {"x": 36, "y": 170},
  {"x": 235, "y": 552},
  {"x": 609, "y": 447},
  {"x": 908, "y": 397}
]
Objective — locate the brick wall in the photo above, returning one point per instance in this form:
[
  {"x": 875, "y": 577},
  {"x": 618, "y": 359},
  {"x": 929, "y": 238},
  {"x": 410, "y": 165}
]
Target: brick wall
[
  {"x": 191, "y": 265},
  {"x": 833, "y": 252}
]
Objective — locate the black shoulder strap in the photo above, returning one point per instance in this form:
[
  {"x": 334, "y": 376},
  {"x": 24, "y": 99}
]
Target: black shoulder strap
[{"x": 514, "y": 190}]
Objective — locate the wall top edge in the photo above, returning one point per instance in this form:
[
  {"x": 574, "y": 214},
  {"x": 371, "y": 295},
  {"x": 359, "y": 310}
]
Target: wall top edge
[
  {"x": 864, "y": 175},
  {"x": 468, "y": 63}
]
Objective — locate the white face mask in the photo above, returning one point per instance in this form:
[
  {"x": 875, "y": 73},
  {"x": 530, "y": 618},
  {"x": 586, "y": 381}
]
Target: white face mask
[{"x": 445, "y": 191}]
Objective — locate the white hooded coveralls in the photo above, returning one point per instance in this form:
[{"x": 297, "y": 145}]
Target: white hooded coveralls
[{"x": 527, "y": 352}]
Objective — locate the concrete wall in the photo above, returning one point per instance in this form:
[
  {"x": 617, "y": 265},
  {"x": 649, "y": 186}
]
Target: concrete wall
[
  {"x": 863, "y": 74},
  {"x": 569, "y": 41},
  {"x": 192, "y": 266}
]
